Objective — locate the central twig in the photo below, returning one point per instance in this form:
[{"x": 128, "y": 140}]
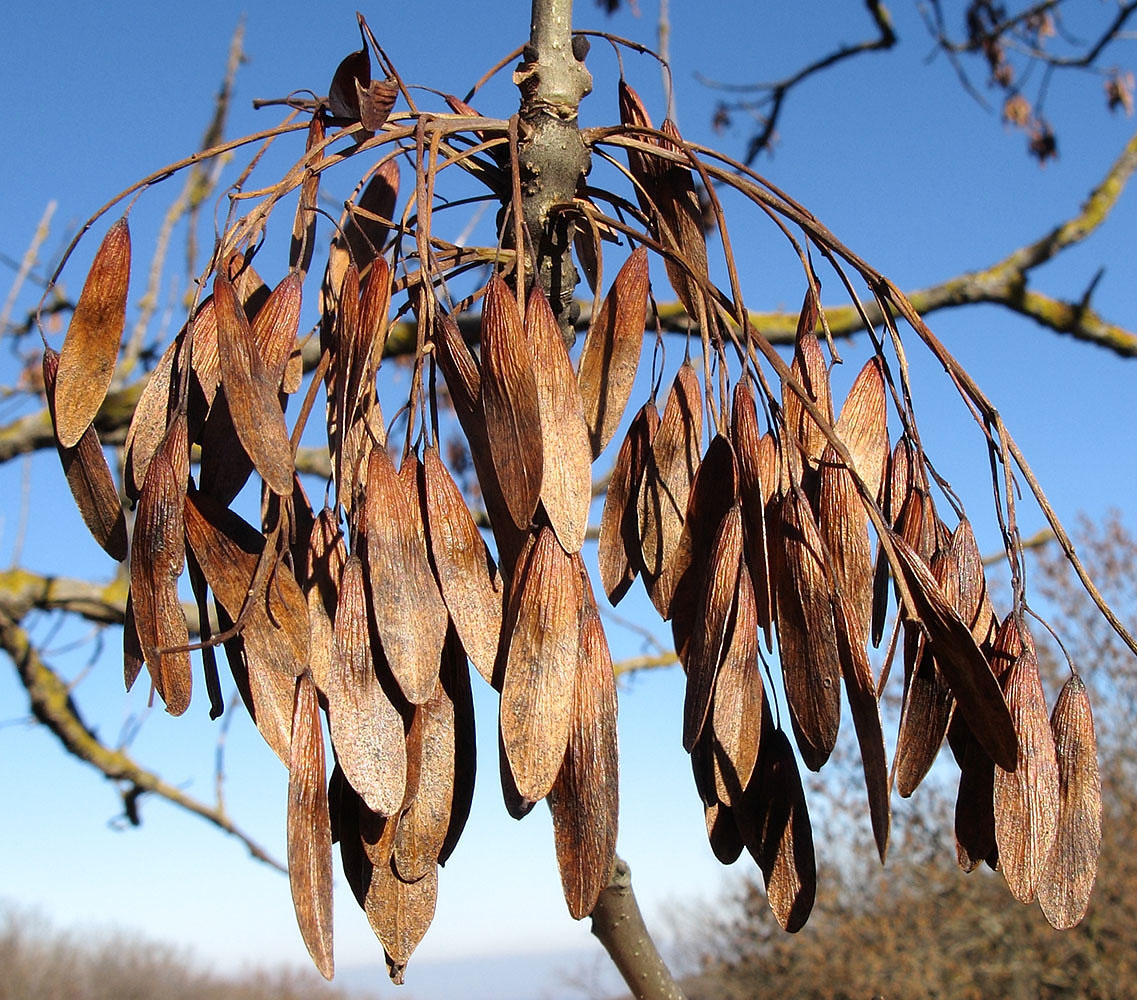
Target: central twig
[{"x": 553, "y": 158}]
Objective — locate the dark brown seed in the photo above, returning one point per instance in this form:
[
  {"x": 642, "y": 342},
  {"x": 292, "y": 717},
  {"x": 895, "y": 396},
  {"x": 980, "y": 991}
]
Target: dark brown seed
[
  {"x": 426, "y": 819},
  {"x": 680, "y": 224},
  {"x": 157, "y": 559},
  {"x": 155, "y": 406},
  {"x": 618, "y": 551},
  {"x": 774, "y": 823},
  {"x": 754, "y": 485},
  {"x": 714, "y": 490},
  {"x": 408, "y": 610},
  {"x": 1027, "y": 798},
  {"x": 132, "y": 656},
  {"x": 89, "y": 477},
  {"x": 1068, "y": 877},
  {"x": 566, "y": 478},
  {"x": 541, "y": 667},
  {"x": 711, "y": 636},
  {"x": 90, "y": 349},
  {"x": 274, "y": 330},
  {"x": 325, "y": 557},
  {"x": 230, "y": 551},
  {"x": 366, "y": 224},
  {"x": 251, "y": 392},
  {"x": 812, "y": 376},
  {"x": 469, "y": 580},
  {"x": 366, "y": 728},
  {"x": 400, "y": 914},
  {"x": 309, "y": 829},
  {"x": 736, "y": 712},
  {"x": 865, "y": 710},
  {"x": 343, "y": 98},
  {"x": 662, "y": 502},
  {"x": 455, "y": 675},
  {"x": 304, "y": 225},
  {"x": 863, "y": 426},
  {"x": 611, "y": 352},
  {"x": 807, "y": 634},
  {"x": 975, "y": 799},
  {"x": 584, "y": 800},
  {"x": 464, "y": 381},
  {"x": 722, "y": 832},
  {"x": 977, "y": 692},
  {"x": 510, "y": 401}
]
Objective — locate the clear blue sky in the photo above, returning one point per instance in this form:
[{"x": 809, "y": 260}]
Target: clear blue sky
[{"x": 888, "y": 151}]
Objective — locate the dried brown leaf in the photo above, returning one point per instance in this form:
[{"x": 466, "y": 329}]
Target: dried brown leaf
[{"x": 90, "y": 348}]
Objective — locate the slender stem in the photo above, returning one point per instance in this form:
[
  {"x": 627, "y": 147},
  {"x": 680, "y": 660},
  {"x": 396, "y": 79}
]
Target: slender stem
[{"x": 618, "y": 924}]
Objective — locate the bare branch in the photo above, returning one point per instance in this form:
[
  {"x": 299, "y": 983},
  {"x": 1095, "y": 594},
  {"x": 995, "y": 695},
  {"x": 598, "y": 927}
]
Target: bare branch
[{"x": 51, "y": 703}]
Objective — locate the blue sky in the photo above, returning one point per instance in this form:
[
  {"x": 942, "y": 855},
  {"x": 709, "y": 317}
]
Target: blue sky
[{"x": 887, "y": 150}]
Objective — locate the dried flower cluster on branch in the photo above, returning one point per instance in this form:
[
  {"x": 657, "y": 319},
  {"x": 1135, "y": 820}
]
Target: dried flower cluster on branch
[{"x": 747, "y": 509}]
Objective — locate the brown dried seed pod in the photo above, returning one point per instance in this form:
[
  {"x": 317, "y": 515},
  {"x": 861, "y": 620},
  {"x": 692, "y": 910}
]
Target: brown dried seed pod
[
  {"x": 540, "y": 668},
  {"x": 364, "y": 223},
  {"x": 304, "y": 224},
  {"x": 1068, "y": 876},
  {"x": 90, "y": 348},
  {"x": 711, "y": 636},
  {"x": 865, "y": 710},
  {"x": 464, "y": 383},
  {"x": 714, "y": 490},
  {"x": 326, "y": 554},
  {"x": 156, "y": 405},
  {"x": 611, "y": 352},
  {"x": 366, "y": 728},
  {"x": 156, "y": 562},
  {"x": 510, "y": 402},
  {"x": 722, "y": 833},
  {"x": 566, "y": 477},
  {"x": 309, "y": 829},
  {"x": 1027, "y": 798},
  {"x": 469, "y": 580},
  {"x": 132, "y": 656},
  {"x": 400, "y": 914},
  {"x": 679, "y": 219},
  {"x": 863, "y": 426},
  {"x": 618, "y": 551},
  {"x": 811, "y": 373},
  {"x": 584, "y": 799},
  {"x": 977, "y": 692},
  {"x": 251, "y": 392},
  {"x": 807, "y": 634},
  {"x": 662, "y": 502},
  {"x": 229, "y": 551},
  {"x": 407, "y": 608},
  {"x": 455, "y": 676},
  {"x": 423, "y": 824},
  {"x": 754, "y": 484},
  {"x": 774, "y": 824},
  {"x": 275, "y": 326},
  {"x": 89, "y": 476},
  {"x": 975, "y": 799},
  {"x": 736, "y": 710}
]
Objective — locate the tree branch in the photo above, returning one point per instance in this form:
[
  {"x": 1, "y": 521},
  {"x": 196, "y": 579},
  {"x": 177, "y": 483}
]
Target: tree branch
[
  {"x": 619, "y": 926},
  {"x": 51, "y": 703}
]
